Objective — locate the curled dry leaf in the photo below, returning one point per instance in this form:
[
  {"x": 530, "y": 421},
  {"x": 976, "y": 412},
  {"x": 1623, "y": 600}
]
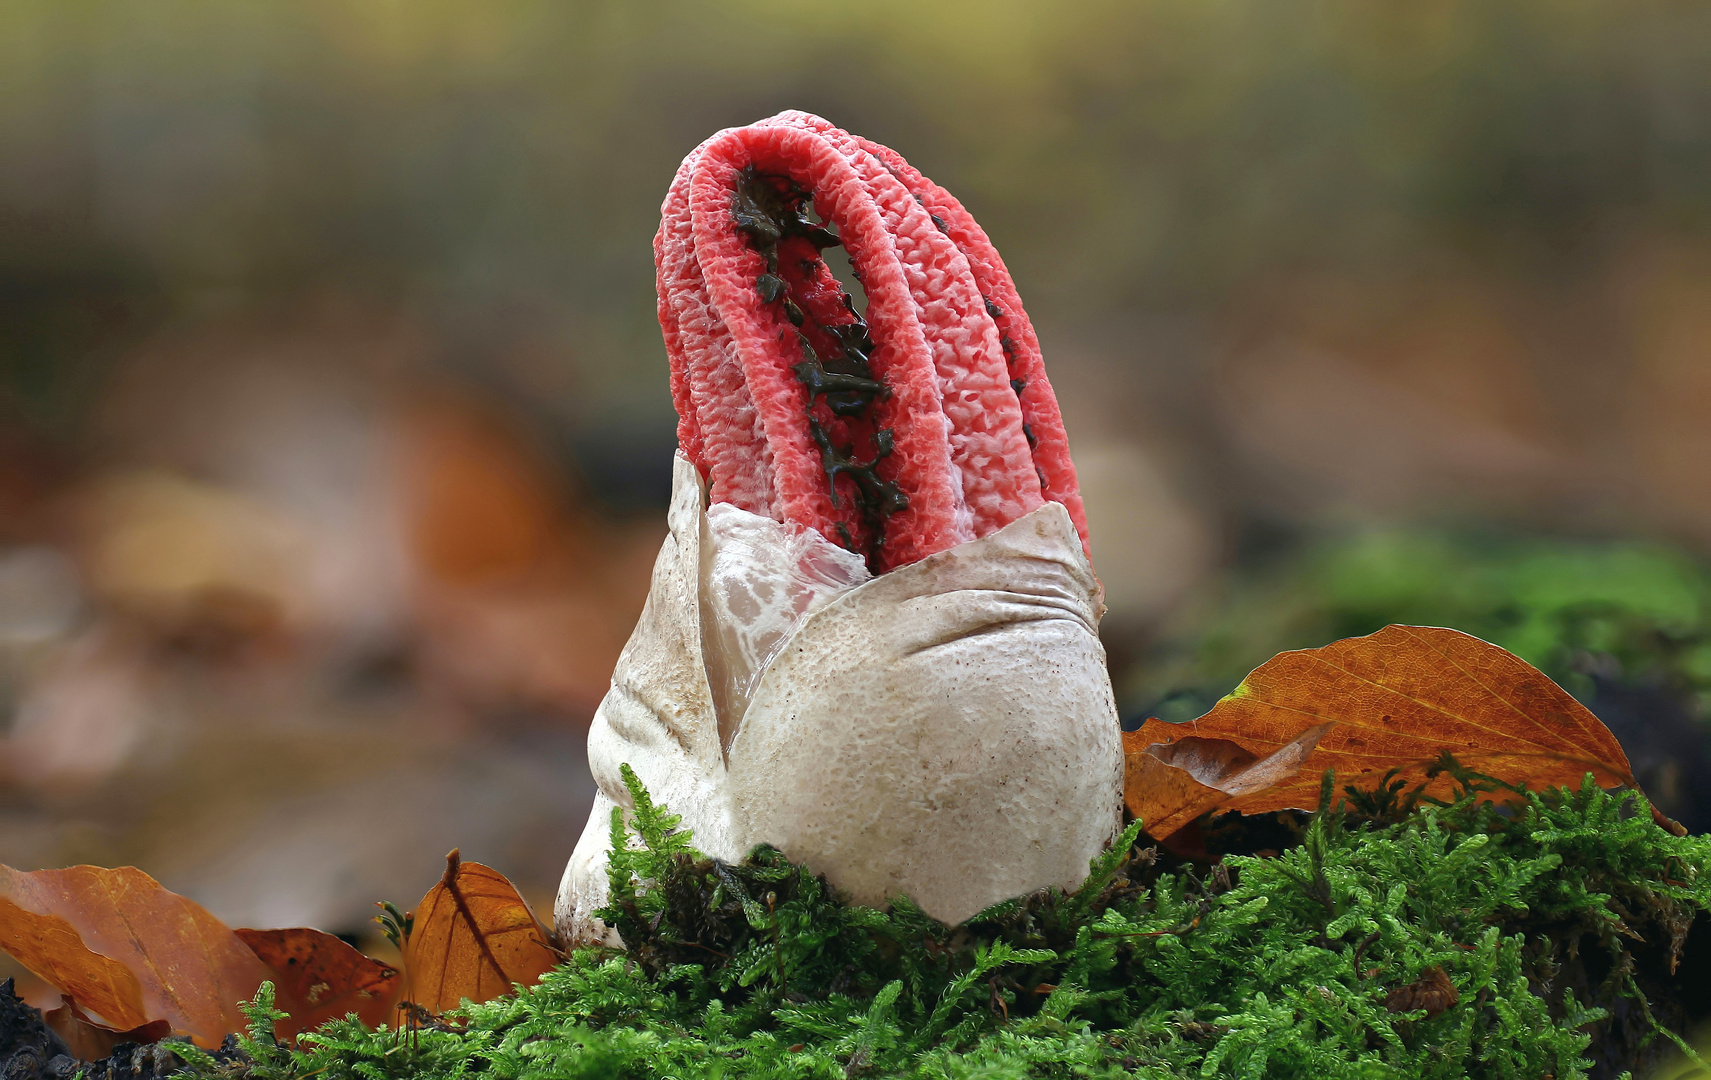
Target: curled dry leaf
[
  {"x": 1168, "y": 785},
  {"x": 51, "y": 948},
  {"x": 89, "y": 1040},
  {"x": 1396, "y": 699},
  {"x": 129, "y": 950},
  {"x": 1432, "y": 991},
  {"x": 320, "y": 978},
  {"x": 474, "y": 937}
]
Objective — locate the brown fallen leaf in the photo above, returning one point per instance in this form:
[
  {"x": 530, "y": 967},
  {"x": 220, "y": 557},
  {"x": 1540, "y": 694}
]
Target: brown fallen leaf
[
  {"x": 1432, "y": 991},
  {"x": 320, "y": 978},
  {"x": 51, "y": 949},
  {"x": 1168, "y": 785},
  {"x": 128, "y": 950},
  {"x": 89, "y": 1040},
  {"x": 1398, "y": 699},
  {"x": 474, "y": 936}
]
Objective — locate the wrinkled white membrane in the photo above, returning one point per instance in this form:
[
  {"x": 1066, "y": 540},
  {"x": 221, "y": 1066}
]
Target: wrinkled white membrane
[
  {"x": 945, "y": 731},
  {"x": 759, "y": 580}
]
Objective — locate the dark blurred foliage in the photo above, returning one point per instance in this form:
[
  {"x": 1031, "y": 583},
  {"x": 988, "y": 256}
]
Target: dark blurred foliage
[
  {"x": 498, "y": 167},
  {"x": 1577, "y": 610}
]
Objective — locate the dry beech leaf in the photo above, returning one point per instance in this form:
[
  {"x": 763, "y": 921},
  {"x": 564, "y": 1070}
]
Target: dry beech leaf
[
  {"x": 1398, "y": 699},
  {"x": 89, "y": 1040},
  {"x": 1168, "y": 785},
  {"x": 474, "y": 937},
  {"x": 129, "y": 950},
  {"x": 320, "y": 978},
  {"x": 51, "y": 948},
  {"x": 1432, "y": 991}
]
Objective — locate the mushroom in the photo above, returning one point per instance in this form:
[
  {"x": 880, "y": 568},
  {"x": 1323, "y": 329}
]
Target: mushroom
[{"x": 872, "y": 635}]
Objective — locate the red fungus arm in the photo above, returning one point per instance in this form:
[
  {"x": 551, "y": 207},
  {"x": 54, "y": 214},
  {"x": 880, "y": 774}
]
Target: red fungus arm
[{"x": 926, "y": 424}]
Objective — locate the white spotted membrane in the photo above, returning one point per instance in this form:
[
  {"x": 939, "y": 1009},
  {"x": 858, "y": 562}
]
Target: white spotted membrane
[{"x": 760, "y": 580}]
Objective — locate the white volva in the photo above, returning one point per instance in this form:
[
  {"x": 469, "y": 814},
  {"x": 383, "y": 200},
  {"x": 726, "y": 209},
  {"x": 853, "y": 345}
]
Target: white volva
[{"x": 944, "y": 731}]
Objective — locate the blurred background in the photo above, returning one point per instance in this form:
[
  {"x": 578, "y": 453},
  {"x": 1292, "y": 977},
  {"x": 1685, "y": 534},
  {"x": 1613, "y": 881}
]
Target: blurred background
[{"x": 335, "y": 434}]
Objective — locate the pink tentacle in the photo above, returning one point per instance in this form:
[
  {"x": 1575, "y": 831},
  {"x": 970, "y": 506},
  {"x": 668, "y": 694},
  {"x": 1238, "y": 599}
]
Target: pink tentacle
[
  {"x": 920, "y": 461},
  {"x": 931, "y": 426},
  {"x": 1049, "y": 439},
  {"x": 718, "y": 424},
  {"x": 989, "y": 442}
]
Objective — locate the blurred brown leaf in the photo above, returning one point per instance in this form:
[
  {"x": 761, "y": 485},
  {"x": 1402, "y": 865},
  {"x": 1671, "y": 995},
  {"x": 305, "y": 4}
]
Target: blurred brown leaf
[
  {"x": 474, "y": 937},
  {"x": 320, "y": 978},
  {"x": 1395, "y": 699},
  {"x": 194, "y": 558},
  {"x": 482, "y": 505},
  {"x": 128, "y": 949}
]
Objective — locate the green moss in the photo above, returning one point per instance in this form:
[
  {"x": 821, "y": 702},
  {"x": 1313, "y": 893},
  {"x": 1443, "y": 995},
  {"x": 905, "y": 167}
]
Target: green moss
[{"x": 1289, "y": 966}]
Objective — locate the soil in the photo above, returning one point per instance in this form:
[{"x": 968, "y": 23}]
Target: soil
[{"x": 30, "y": 1050}]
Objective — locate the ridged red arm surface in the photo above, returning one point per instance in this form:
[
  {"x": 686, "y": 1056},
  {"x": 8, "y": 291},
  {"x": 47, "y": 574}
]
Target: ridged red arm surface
[{"x": 925, "y": 425}]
